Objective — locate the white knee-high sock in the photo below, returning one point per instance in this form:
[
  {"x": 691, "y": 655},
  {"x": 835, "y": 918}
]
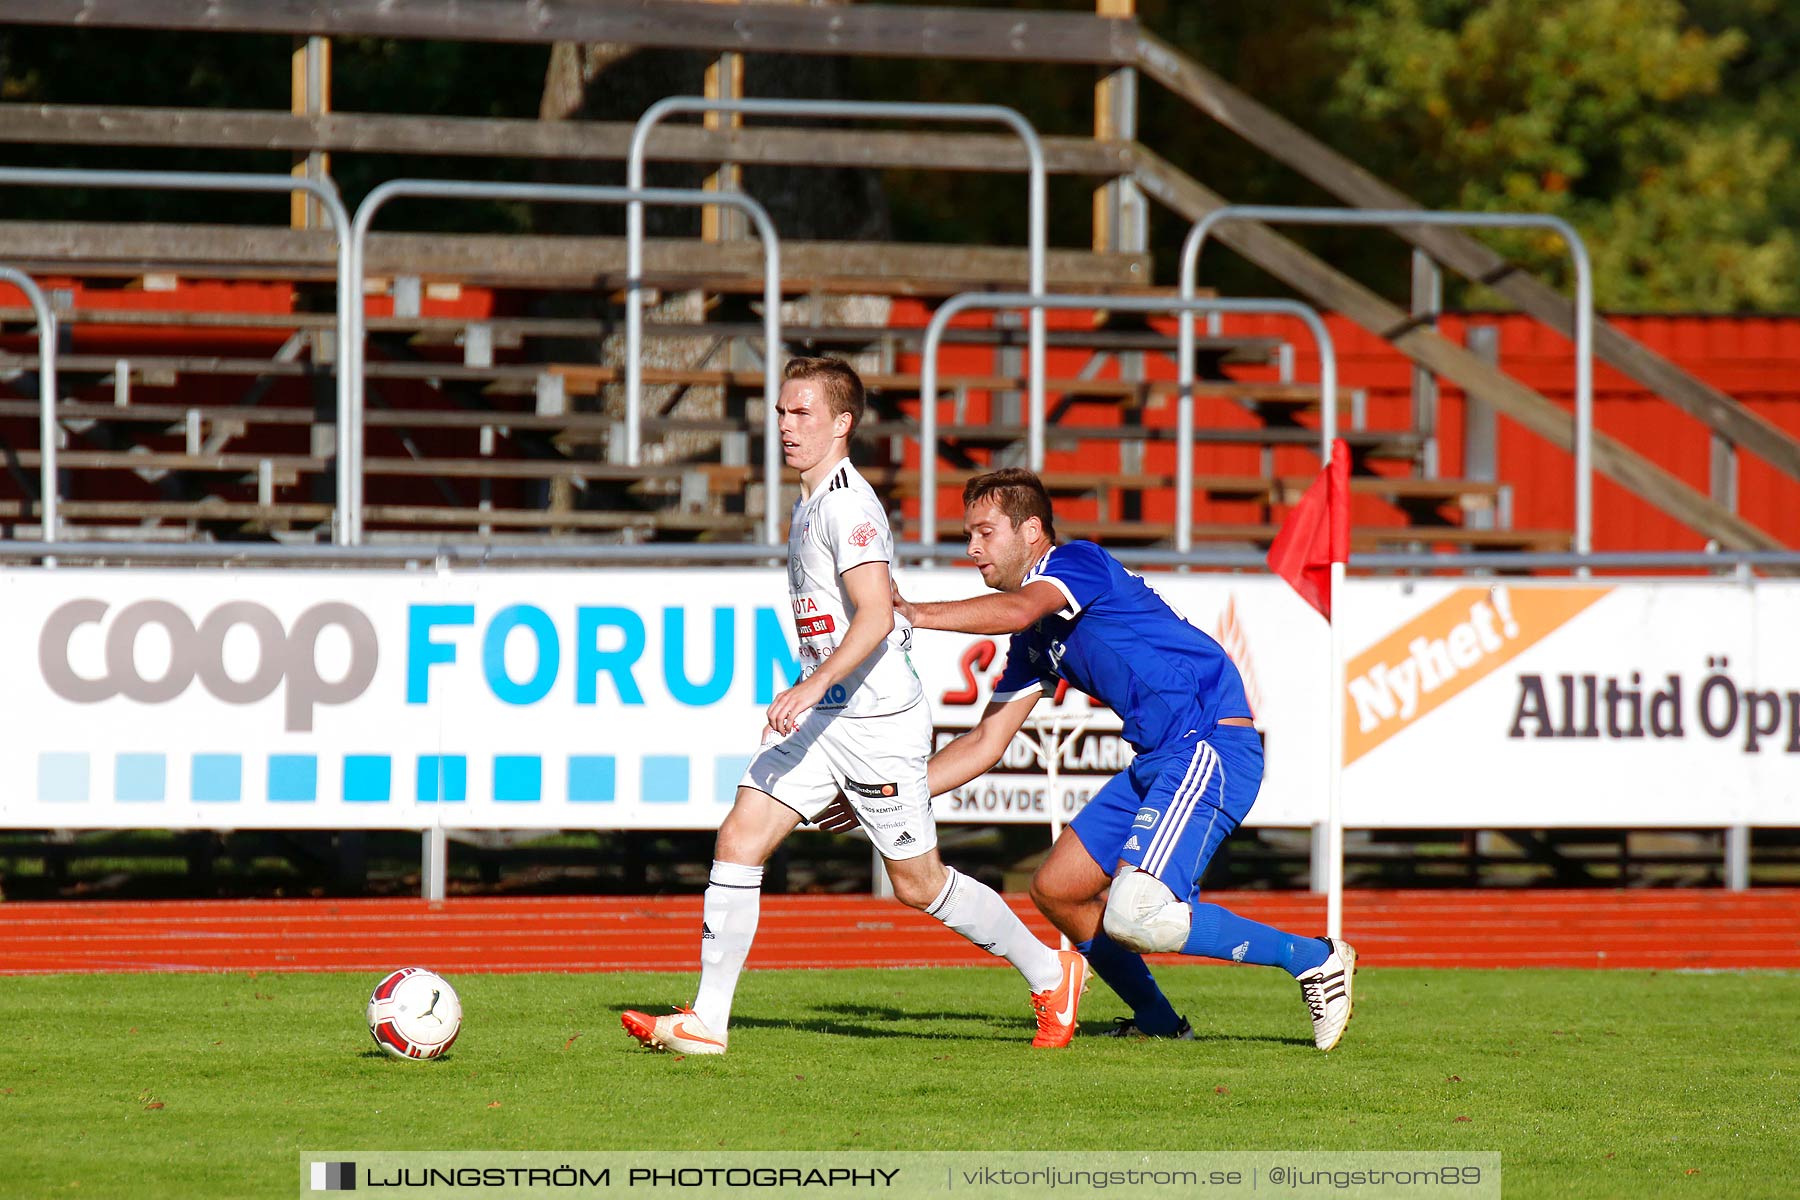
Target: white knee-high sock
[
  {"x": 733, "y": 903},
  {"x": 976, "y": 911}
]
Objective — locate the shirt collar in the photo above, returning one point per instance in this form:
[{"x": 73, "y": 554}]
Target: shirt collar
[{"x": 829, "y": 475}]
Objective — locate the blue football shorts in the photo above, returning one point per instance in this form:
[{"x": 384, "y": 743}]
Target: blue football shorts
[{"x": 1168, "y": 812}]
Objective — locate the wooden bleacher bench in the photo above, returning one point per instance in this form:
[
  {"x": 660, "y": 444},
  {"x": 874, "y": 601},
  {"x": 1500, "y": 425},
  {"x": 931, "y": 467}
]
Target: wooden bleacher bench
[
  {"x": 441, "y": 516},
  {"x": 169, "y": 367},
  {"x": 512, "y": 330},
  {"x": 287, "y": 469},
  {"x": 212, "y": 509},
  {"x": 1469, "y": 493},
  {"x": 1363, "y": 539},
  {"x": 1397, "y": 444},
  {"x": 1381, "y": 444},
  {"x": 1460, "y": 538},
  {"x": 215, "y": 415},
  {"x": 583, "y": 379},
  {"x": 95, "y": 248}
]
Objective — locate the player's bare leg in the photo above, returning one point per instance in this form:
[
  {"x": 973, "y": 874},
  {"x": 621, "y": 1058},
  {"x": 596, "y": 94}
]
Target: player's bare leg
[
  {"x": 1070, "y": 889},
  {"x": 756, "y": 825},
  {"x": 971, "y": 908}
]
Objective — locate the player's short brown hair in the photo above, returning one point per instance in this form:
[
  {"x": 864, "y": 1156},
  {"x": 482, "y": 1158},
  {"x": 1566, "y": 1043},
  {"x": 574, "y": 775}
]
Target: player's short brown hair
[
  {"x": 842, "y": 386},
  {"x": 1016, "y": 492}
]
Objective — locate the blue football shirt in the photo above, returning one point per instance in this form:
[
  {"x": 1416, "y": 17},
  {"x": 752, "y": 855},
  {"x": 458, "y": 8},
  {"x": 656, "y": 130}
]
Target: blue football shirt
[{"x": 1120, "y": 642}]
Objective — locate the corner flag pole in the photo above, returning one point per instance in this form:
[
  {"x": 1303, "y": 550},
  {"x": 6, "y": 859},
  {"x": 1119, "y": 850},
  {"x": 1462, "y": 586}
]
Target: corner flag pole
[
  {"x": 1312, "y": 552},
  {"x": 1334, "y": 802},
  {"x": 1334, "y": 707}
]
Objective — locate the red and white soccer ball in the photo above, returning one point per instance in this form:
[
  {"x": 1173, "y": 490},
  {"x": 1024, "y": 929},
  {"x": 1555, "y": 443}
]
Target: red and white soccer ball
[{"x": 414, "y": 1013}]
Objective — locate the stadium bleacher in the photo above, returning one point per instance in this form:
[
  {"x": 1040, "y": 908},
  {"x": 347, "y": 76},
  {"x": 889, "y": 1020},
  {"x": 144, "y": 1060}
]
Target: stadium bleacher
[{"x": 455, "y": 345}]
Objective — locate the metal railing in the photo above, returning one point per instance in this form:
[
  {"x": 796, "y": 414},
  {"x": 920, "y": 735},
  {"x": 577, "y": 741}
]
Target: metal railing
[
  {"x": 200, "y": 181},
  {"x": 1742, "y": 563},
  {"x": 1186, "y": 307},
  {"x": 1037, "y": 216},
  {"x": 580, "y": 194},
  {"x": 1390, "y": 218},
  {"x": 46, "y": 330}
]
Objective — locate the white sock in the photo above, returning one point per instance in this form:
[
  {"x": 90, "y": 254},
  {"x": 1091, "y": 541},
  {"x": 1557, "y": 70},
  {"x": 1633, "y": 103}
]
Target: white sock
[
  {"x": 728, "y": 926},
  {"x": 976, "y": 911}
]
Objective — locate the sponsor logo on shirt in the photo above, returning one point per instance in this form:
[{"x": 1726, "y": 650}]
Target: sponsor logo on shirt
[
  {"x": 809, "y": 621},
  {"x": 863, "y": 534}
]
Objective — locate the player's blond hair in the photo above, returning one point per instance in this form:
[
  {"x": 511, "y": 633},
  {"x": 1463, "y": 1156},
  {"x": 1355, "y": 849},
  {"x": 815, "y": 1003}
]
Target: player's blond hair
[
  {"x": 842, "y": 386},
  {"x": 1018, "y": 493}
]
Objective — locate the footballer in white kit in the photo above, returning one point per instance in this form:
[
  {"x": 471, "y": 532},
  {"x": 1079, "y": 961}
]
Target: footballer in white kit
[
  {"x": 871, "y": 734},
  {"x": 855, "y": 724}
]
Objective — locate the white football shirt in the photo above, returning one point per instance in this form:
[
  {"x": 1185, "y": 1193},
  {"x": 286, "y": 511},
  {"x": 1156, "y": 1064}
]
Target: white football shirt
[{"x": 843, "y": 525}]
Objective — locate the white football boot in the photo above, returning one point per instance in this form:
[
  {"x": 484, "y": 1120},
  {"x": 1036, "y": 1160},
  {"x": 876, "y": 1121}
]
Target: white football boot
[{"x": 1326, "y": 990}]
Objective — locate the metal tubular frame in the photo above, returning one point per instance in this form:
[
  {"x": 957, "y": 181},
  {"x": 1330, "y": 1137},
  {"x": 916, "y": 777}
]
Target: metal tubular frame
[
  {"x": 202, "y": 181},
  {"x": 1185, "y": 307},
  {"x": 486, "y": 554},
  {"x": 582, "y": 194},
  {"x": 46, "y": 323},
  {"x": 1392, "y": 218},
  {"x": 1037, "y": 216}
]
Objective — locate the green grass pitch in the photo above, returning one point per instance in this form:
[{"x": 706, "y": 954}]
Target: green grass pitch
[{"x": 1589, "y": 1083}]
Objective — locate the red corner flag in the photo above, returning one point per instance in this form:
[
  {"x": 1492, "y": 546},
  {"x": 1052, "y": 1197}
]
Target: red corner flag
[{"x": 1317, "y": 533}]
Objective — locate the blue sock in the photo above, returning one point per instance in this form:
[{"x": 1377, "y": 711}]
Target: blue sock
[
  {"x": 1127, "y": 974},
  {"x": 1218, "y": 933}
]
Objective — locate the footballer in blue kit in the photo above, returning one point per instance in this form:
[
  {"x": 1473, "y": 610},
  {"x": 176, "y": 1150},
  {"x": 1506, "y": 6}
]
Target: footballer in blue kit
[{"x": 1124, "y": 880}]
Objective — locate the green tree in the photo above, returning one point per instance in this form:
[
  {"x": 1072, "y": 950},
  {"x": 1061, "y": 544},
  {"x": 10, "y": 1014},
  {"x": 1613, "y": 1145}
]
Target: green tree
[
  {"x": 1663, "y": 131},
  {"x": 1610, "y": 113}
]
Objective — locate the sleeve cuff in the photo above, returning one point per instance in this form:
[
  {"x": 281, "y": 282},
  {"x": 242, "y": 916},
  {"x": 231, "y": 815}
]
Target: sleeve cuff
[
  {"x": 1007, "y": 697},
  {"x": 1073, "y": 607}
]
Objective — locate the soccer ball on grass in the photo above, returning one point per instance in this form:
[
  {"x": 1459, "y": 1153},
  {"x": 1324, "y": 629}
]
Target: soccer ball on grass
[{"x": 414, "y": 1013}]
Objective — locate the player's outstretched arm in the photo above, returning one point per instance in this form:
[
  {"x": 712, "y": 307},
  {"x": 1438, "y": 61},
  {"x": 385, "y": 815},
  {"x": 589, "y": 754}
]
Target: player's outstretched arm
[
  {"x": 870, "y": 591},
  {"x": 1003, "y": 612},
  {"x": 958, "y": 762},
  {"x": 980, "y": 748}
]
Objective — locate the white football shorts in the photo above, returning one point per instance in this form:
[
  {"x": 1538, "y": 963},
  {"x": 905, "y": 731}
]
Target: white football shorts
[{"x": 877, "y": 762}]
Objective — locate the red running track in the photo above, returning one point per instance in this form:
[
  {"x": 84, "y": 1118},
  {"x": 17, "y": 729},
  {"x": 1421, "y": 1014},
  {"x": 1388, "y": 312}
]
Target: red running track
[{"x": 1641, "y": 929}]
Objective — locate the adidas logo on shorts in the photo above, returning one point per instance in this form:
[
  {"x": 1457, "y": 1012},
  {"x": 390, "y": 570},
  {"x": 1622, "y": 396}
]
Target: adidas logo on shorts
[
  {"x": 905, "y": 839},
  {"x": 705, "y": 931},
  {"x": 1133, "y": 843}
]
